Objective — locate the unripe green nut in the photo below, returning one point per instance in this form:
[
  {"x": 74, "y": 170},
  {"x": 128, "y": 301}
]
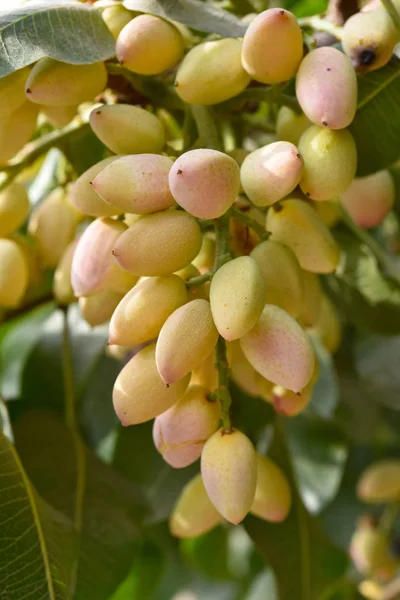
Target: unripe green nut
[
  {"x": 159, "y": 244},
  {"x": 271, "y": 172},
  {"x": 178, "y": 350},
  {"x": 229, "y": 471},
  {"x": 143, "y": 311},
  {"x": 237, "y": 297},
  {"x": 55, "y": 83},
  {"x": 273, "y": 46},
  {"x": 12, "y": 92},
  {"x": 212, "y": 72},
  {"x": 282, "y": 275},
  {"x": 290, "y": 403},
  {"x": 273, "y": 497},
  {"x": 206, "y": 374},
  {"x": 290, "y": 125},
  {"x": 279, "y": 349},
  {"x": 369, "y": 39},
  {"x": 205, "y": 182},
  {"x": 297, "y": 225},
  {"x": 180, "y": 433},
  {"x": 52, "y": 224},
  {"x": 310, "y": 307},
  {"x": 330, "y": 162},
  {"x": 14, "y": 276},
  {"x": 93, "y": 266},
  {"x": 136, "y": 184},
  {"x": 369, "y": 199},
  {"x": 14, "y": 208},
  {"x": 17, "y": 130},
  {"x": 59, "y": 116},
  {"x": 62, "y": 287},
  {"x": 84, "y": 197},
  {"x": 116, "y": 17},
  {"x": 194, "y": 513},
  {"x": 98, "y": 309},
  {"x": 328, "y": 326},
  {"x": 127, "y": 129},
  {"x": 326, "y": 88},
  {"x": 242, "y": 373},
  {"x": 369, "y": 549},
  {"x": 149, "y": 45},
  {"x": 139, "y": 393},
  {"x": 380, "y": 482}
]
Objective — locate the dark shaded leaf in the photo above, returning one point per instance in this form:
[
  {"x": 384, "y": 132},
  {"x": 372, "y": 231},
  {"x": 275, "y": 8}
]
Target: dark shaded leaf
[
  {"x": 376, "y": 127},
  {"x": 194, "y": 14},
  {"x": 325, "y": 394},
  {"x": 305, "y": 563},
  {"x": 360, "y": 291},
  {"x": 17, "y": 338},
  {"x": 67, "y": 31},
  {"x": 36, "y": 542},
  {"x": 377, "y": 365},
  {"x": 136, "y": 457},
  {"x": 319, "y": 452},
  {"x": 103, "y": 506}
]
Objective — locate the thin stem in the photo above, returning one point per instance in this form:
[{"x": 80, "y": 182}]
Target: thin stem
[
  {"x": 206, "y": 126},
  {"x": 70, "y": 415},
  {"x": 391, "y": 10},
  {"x": 222, "y": 393},
  {"x": 252, "y": 223},
  {"x": 200, "y": 279},
  {"x": 223, "y": 252},
  {"x": 55, "y": 139},
  {"x": 271, "y": 93},
  {"x": 321, "y": 24}
]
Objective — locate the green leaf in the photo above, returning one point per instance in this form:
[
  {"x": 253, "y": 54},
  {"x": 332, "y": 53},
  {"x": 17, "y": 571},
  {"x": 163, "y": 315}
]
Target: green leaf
[
  {"x": 85, "y": 152},
  {"x": 367, "y": 298},
  {"x": 194, "y": 14},
  {"x": 17, "y": 338},
  {"x": 325, "y": 394},
  {"x": 208, "y": 553},
  {"x": 136, "y": 457},
  {"x": 104, "y": 507},
  {"x": 145, "y": 576},
  {"x": 377, "y": 365},
  {"x": 304, "y": 562},
  {"x": 70, "y": 32},
  {"x": 43, "y": 368},
  {"x": 36, "y": 541},
  {"x": 376, "y": 127},
  {"x": 319, "y": 452}
]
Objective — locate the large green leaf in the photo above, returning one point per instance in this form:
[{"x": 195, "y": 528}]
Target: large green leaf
[
  {"x": 376, "y": 127},
  {"x": 104, "y": 507},
  {"x": 195, "y": 14},
  {"x": 36, "y": 542},
  {"x": 319, "y": 452},
  {"x": 43, "y": 370},
  {"x": 377, "y": 364},
  {"x": 136, "y": 457},
  {"x": 71, "y": 32},
  {"x": 17, "y": 338},
  {"x": 361, "y": 292},
  {"x": 305, "y": 563}
]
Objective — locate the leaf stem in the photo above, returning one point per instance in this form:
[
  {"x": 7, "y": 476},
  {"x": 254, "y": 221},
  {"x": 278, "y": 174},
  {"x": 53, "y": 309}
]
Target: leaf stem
[
  {"x": 252, "y": 223},
  {"x": 391, "y": 10},
  {"x": 320, "y": 24},
  {"x": 55, "y": 139},
  {"x": 206, "y": 126},
  {"x": 70, "y": 415}
]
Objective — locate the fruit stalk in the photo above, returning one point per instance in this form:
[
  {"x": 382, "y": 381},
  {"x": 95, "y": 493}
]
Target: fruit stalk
[
  {"x": 391, "y": 10},
  {"x": 206, "y": 127},
  {"x": 252, "y": 223}
]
